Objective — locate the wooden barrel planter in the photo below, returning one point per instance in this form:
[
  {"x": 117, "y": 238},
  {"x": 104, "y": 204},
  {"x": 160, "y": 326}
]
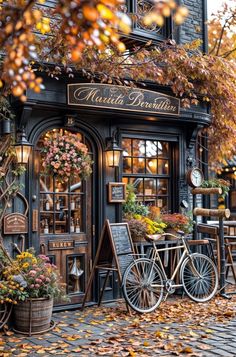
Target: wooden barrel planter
[{"x": 33, "y": 316}]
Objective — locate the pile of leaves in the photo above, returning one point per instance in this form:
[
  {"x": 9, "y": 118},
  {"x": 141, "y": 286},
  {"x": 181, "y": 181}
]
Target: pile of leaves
[{"x": 178, "y": 327}]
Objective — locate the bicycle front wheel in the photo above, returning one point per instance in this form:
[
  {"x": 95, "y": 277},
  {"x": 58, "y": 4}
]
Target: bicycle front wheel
[
  {"x": 143, "y": 285},
  {"x": 199, "y": 277}
]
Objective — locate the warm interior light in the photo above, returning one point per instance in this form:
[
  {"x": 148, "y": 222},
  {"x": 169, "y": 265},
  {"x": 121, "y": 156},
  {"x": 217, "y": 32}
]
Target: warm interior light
[
  {"x": 23, "y": 149},
  {"x": 113, "y": 153}
]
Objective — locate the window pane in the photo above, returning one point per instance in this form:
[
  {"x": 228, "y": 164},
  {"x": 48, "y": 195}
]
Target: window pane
[
  {"x": 126, "y": 146},
  {"x": 127, "y": 166},
  {"x": 151, "y": 166},
  {"x": 61, "y": 186},
  {"x": 125, "y": 180},
  {"x": 138, "y": 184},
  {"x": 151, "y": 148},
  {"x": 76, "y": 184},
  {"x": 138, "y": 147},
  {"x": 162, "y": 187},
  {"x": 163, "y": 149},
  {"x": 163, "y": 167},
  {"x": 46, "y": 183},
  {"x": 138, "y": 166},
  {"x": 162, "y": 204},
  {"x": 149, "y": 187}
]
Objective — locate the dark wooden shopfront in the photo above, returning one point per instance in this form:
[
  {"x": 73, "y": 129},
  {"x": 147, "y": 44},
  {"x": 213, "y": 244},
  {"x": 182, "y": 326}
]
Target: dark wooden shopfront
[{"x": 155, "y": 155}]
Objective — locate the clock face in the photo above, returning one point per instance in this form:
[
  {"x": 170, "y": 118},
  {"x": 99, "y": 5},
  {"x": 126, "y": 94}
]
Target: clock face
[{"x": 195, "y": 177}]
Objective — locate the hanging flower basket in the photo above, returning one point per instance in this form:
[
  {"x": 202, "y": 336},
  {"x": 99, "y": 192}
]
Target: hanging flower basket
[{"x": 66, "y": 156}]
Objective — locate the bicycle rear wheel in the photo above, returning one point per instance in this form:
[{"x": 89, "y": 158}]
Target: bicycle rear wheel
[
  {"x": 143, "y": 285},
  {"x": 199, "y": 277}
]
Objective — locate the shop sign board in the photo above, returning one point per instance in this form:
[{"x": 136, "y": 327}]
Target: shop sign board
[
  {"x": 15, "y": 223},
  {"x": 60, "y": 244},
  {"x": 116, "y": 192},
  {"x": 122, "y": 98}
]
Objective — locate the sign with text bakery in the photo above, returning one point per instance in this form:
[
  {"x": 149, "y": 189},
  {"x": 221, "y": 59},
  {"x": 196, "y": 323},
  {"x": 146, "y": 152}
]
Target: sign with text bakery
[{"x": 122, "y": 98}]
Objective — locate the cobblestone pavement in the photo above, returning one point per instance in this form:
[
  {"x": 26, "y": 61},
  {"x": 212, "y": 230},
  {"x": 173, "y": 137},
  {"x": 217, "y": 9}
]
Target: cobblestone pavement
[{"x": 111, "y": 331}]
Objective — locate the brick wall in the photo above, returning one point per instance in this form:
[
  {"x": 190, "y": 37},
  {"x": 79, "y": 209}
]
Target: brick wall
[{"x": 193, "y": 27}]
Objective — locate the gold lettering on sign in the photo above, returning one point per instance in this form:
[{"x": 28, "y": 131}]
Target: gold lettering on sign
[
  {"x": 122, "y": 98},
  {"x": 53, "y": 245},
  {"x": 159, "y": 102},
  {"x": 14, "y": 223},
  {"x": 93, "y": 95}
]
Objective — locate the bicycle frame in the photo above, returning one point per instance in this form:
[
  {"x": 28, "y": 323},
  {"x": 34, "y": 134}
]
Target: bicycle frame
[{"x": 155, "y": 257}]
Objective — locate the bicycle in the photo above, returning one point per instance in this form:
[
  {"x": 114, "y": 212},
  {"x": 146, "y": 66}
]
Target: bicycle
[{"x": 145, "y": 279}]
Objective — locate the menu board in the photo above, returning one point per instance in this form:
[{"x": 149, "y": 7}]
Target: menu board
[
  {"x": 122, "y": 243},
  {"x": 116, "y": 192}
]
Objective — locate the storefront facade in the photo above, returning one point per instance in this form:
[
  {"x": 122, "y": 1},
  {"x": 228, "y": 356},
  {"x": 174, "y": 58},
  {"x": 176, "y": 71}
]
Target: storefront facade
[
  {"x": 66, "y": 218},
  {"x": 158, "y": 141}
]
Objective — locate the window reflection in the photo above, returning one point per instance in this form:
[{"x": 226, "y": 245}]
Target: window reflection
[{"x": 144, "y": 158}]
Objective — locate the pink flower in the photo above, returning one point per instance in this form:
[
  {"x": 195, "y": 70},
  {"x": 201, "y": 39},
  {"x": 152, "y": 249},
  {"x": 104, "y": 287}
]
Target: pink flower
[{"x": 32, "y": 272}]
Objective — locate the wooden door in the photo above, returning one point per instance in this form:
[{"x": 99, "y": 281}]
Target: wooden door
[{"x": 66, "y": 225}]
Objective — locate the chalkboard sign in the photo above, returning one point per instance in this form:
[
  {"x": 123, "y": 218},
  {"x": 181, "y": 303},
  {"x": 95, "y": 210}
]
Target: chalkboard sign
[
  {"x": 116, "y": 192},
  {"x": 115, "y": 252},
  {"x": 121, "y": 238}
]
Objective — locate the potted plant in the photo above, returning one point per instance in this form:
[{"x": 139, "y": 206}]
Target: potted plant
[
  {"x": 141, "y": 226},
  {"x": 219, "y": 183},
  {"x": 30, "y": 283},
  {"x": 177, "y": 221},
  {"x": 65, "y": 156},
  {"x": 131, "y": 206}
]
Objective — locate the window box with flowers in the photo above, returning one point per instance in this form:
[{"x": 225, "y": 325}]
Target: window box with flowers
[
  {"x": 30, "y": 283},
  {"x": 65, "y": 156}
]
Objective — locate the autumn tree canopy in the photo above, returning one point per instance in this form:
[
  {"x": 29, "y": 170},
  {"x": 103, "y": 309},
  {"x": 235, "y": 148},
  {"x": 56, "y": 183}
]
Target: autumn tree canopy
[{"x": 85, "y": 35}]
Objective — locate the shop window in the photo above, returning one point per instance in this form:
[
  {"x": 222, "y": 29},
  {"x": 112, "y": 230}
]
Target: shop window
[
  {"x": 146, "y": 165},
  {"x": 61, "y": 202}
]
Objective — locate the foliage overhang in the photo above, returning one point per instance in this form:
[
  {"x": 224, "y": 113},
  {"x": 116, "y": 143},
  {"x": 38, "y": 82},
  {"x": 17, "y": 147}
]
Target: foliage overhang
[{"x": 190, "y": 74}]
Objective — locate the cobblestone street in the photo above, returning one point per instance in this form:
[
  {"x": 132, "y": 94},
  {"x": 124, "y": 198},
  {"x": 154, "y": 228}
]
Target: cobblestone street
[{"x": 111, "y": 331}]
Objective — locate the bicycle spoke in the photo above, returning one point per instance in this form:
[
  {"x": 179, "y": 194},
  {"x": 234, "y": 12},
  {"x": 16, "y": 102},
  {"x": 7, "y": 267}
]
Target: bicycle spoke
[
  {"x": 199, "y": 277},
  {"x": 137, "y": 285}
]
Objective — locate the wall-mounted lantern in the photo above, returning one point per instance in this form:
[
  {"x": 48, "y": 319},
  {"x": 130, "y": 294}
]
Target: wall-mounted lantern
[
  {"x": 113, "y": 152},
  {"x": 23, "y": 149}
]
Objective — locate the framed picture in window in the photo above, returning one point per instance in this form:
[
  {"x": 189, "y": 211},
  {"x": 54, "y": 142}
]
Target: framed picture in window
[{"x": 116, "y": 192}]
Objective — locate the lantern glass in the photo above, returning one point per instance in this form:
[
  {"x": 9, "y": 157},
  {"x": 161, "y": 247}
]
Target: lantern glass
[
  {"x": 113, "y": 157},
  {"x": 22, "y": 153},
  {"x": 23, "y": 149}
]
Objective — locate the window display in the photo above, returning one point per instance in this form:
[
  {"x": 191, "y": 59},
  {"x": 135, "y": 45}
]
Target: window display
[
  {"x": 61, "y": 202},
  {"x": 146, "y": 165}
]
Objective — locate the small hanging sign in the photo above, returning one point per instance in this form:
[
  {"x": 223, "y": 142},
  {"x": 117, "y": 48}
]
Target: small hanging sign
[
  {"x": 116, "y": 192},
  {"x": 15, "y": 223}
]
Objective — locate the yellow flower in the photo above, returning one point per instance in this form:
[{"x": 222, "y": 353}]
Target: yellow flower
[{"x": 25, "y": 265}]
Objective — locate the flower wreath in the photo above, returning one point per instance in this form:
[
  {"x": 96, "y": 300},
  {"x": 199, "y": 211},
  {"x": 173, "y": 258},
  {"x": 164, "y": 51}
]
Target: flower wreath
[{"x": 66, "y": 156}]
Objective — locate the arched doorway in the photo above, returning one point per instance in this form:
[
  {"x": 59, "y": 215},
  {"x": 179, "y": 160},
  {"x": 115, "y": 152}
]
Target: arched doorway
[{"x": 65, "y": 225}]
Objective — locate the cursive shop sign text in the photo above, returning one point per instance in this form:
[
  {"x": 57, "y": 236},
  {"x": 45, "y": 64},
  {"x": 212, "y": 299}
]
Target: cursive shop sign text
[{"x": 122, "y": 98}]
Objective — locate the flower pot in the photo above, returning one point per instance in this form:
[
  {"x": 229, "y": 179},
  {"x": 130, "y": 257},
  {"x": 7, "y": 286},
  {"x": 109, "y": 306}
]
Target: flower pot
[
  {"x": 170, "y": 232},
  {"x": 33, "y": 316}
]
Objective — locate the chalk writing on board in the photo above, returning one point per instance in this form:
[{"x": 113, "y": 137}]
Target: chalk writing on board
[{"x": 116, "y": 192}]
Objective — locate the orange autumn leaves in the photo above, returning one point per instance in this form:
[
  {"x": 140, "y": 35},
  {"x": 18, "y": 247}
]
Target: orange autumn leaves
[
  {"x": 73, "y": 27},
  {"x": 178, "y": 327}
]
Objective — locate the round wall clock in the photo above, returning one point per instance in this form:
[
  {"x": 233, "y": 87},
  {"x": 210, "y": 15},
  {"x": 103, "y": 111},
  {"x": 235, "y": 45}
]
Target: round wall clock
[{"x": 195, "y": 177}]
